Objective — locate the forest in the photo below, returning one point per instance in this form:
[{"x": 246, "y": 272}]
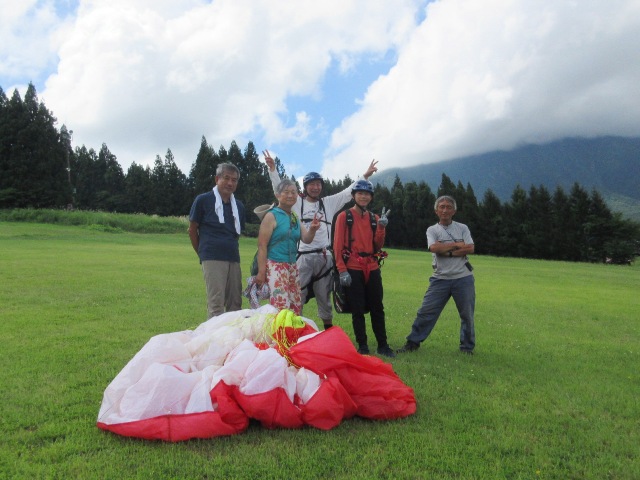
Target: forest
[{"x": 40, "y": 169}]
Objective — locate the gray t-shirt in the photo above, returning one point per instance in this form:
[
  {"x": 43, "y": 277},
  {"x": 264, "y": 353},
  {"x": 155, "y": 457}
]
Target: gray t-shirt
[{"x": 444, "y": 266}]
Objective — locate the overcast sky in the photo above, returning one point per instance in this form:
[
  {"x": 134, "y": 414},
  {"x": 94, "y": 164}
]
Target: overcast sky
[{"x": 326, "y": 85}]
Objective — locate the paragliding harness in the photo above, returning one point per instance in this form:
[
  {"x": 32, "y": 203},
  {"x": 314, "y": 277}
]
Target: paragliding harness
[
  {"x": 339, "y": 293},
  {"x": 309, "y": 286}
]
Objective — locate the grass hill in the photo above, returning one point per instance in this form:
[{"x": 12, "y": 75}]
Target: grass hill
[{"x": 611, "y": 165}]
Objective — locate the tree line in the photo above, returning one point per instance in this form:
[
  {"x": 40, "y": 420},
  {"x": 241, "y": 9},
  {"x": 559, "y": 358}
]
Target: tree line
[
  {"x": 39, "y": 169},
  {"x": 573, "y": 226}
]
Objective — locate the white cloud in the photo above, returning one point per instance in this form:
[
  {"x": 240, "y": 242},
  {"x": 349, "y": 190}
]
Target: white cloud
[
  {"x": 146, "y": 75},
  {"x": 478, "y": 76},
  {"x": 149, "y": 75},
  {"x": 28, "y": 34}
]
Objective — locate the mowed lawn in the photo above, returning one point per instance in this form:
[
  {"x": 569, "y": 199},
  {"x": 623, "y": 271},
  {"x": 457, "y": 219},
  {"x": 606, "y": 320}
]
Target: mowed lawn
[{"x": 553, "y": 391}]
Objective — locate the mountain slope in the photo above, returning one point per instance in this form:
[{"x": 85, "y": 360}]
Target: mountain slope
[{"x": 611, "y": 165}]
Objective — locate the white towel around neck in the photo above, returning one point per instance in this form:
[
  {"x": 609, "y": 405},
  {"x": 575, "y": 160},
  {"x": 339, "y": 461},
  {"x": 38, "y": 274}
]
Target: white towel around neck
[{"x": 220, "y": 209}]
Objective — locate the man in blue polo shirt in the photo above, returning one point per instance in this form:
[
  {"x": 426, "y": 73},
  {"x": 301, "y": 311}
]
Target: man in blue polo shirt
[{"x": 215, "y": 223}]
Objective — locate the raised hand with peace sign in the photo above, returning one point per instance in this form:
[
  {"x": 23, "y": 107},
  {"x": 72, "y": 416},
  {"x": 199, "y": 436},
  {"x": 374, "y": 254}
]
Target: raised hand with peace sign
[{"x": 384, "y": 220}]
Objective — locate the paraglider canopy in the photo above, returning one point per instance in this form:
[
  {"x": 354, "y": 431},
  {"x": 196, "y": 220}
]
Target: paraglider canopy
[{"x": 265, "y": 364}]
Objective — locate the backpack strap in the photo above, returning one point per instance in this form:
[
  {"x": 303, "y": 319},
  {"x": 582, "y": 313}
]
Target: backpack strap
[
  {"x": 325, "y": 220},
  {"x": 349, "y": 219},
  {"x": 374, "y": 227}
]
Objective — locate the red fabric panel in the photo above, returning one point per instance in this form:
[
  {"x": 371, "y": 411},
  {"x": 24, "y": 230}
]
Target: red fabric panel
[
  {"x": 372, "y": 384},
  {"x": 273, "y": 408},
  {"x": 229, "y": 419},
  {"x": 230, "y": 412},
  {"x": 328, "y": 406},
  {"x": 175, "y": 428}
]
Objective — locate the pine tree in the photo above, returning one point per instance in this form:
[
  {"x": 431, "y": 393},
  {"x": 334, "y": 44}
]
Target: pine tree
[
  {"x": 470, "y": 208},
  {"x": 598, "y": 228},
  {"x": 537, "y": 223},
  {"x": 234, "y": 156},
  {"x": 397, "y": 235},
  {"x": 558, "y": 233},
  {"x": 488, "y": 233},
  {"x": 139, "y": 189},
  {"x": 203, "y": 171},
  {"x": 623, "y": 245},
  {"x": 410, "y": 213},
  {"x": 65, "y": 143},
  {"x": 84, "y": 177},
  {"x": 7, "y": 189},
  {"x": 514, "y": 244},
  {"x": 447, "y": 187},
  {"x": 32, "y": 161},
  {"x": 112, "y": 195},
  {"x": 178, "y": 186},
  {"x": 425, "y": 213},
  {"x": 254, "y": 187},
  {"x": 171, "y": 195},
  {"x": 576, "y": 223}
]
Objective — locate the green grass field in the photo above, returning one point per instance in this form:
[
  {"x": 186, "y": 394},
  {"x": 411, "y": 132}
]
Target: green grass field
[{"x": 553, "y": 391}]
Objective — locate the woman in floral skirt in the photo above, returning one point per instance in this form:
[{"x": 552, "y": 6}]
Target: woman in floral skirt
[{"x": 280, "y": 232}]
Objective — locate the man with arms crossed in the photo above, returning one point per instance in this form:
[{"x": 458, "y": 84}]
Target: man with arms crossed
[{"x": 450, "y": 242}]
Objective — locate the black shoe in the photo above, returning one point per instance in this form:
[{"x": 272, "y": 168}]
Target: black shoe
[
  {"x": 467, "y": 352},
  {"x": 386, "y": 351},
  {"x": 408, "y": 347},
  {"x": 363, "y": 350}
]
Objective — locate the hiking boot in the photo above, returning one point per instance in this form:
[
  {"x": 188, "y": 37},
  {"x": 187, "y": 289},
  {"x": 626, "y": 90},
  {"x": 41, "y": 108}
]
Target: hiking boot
[
  {"x": 363, "y": 350},
  {"x": 386, "y": 351},
  {"x": 408, "y": 347}
]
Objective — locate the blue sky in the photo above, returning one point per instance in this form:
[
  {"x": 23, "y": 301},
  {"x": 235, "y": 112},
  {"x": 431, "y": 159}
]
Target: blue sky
[
  {"x": 326, "y": 86},
  {"x": 341, "y": 93}
]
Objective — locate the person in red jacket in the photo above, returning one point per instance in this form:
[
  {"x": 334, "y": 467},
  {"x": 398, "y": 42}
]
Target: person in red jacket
[{"x": 357, "y": 262}]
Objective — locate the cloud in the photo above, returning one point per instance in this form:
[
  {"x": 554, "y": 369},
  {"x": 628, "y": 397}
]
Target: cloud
[
  {"x": 149, "y": 75},
  {"x": 466, "y": 77},
  {"x": 478, "y": 76},
  {"x": 28, "y": 40}
]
